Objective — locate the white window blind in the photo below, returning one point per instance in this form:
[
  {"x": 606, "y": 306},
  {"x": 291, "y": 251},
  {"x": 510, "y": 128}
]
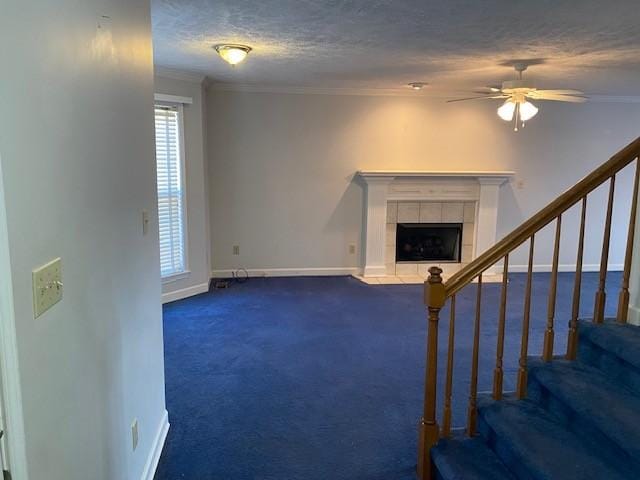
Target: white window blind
[{"x": 170, "y": 190}]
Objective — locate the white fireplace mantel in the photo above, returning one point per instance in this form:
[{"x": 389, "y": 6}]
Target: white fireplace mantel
[{"x": 385, "y": 185}]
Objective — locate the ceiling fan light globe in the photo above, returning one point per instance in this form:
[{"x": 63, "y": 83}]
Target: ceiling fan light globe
[
  {"x": 506, "y": 110},
  {"x": 527, "y": 111}
]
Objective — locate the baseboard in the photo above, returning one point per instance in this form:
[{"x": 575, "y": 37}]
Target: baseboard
[
  {"x": 158, "y": 443},
  {"x": 185, "y": 292},
  {"x": 289, "y": 272},
  {"x": 567, "y": 267},
  {"x": 324, "y": 271},
  {"x": 320, "y": 271}
]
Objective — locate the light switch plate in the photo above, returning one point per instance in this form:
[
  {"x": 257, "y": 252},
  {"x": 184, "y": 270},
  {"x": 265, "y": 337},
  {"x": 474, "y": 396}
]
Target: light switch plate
[{"x": 47, "y": 286}]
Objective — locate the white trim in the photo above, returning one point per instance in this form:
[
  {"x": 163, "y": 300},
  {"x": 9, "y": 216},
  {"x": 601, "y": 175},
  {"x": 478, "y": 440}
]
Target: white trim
[
  {"x": 613, "y": 98},
  {"x": 426, "y": 93},
  {"x": 499, "y": 176},
  {"x": 177, "y": 74},
  {"x": 185, "y": 292},
  {"x": 566, "y": 267},
  {"x": 374, "y": 271},
  {"x": 163, "y": 97},
  {"x": 176, "y": 277},
  {"x": 9, "y": 365},
  {"x": 156, "y": 449},
  {"x": 292, "y": 90},
  {"x": 339, "y": 271},
  {"x": 183, "y": 174},
  {"x": 289, "y": 272}
]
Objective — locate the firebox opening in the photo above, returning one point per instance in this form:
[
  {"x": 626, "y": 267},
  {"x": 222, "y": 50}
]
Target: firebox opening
[{"x": 424, "y": 242}]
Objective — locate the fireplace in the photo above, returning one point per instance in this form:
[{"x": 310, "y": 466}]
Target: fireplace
[{"x": 428, "y": 242}]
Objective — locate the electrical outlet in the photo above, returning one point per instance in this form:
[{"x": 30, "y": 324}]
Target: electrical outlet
[
  {"x": 236, "y": 249},
  {"x": 145, "y": 222},
  {"x": 134, "y": 434},
  {"x": 352, "y": 249},
  {"x": 47, "y": 286}
]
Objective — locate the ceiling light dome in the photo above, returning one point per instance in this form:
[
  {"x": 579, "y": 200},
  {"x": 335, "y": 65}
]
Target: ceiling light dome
[
  {"x": 232, "y": 53},
  {"x": 418, "y": 85}
]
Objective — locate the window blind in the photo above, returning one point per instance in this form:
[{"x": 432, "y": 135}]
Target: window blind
[{"x": 170, "y": 190}]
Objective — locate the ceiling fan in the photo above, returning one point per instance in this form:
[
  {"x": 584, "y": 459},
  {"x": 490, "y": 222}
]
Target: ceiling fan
[{"x": 517, "y": 93}]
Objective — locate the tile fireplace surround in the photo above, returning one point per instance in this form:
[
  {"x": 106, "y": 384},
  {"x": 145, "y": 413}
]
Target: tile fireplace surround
[{"x": 393, "y": 197}]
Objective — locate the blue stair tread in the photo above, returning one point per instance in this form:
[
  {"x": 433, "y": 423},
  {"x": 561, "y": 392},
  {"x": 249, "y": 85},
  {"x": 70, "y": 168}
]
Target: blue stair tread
[
  {"x": 622, "y": 341},
  {"x": 611, "y": 408},
  {"x": 467, "y": 459},
  {"x": 539, "y": 444}
]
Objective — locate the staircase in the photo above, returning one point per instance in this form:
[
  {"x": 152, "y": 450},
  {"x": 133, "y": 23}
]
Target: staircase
[
  {"x": 580, "y": 420},
  {"x": 575, "y": 413}
]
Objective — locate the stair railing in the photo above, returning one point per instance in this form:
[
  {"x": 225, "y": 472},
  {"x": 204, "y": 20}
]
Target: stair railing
[{"x": 437, "y": 292}]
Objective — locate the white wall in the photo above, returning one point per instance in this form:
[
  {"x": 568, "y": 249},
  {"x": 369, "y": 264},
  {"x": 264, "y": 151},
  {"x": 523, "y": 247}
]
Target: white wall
[
  {"x": 197, "y": 280},
  {"x": 78, "y": 166},
  {"x": 634, "y": 278},
  {"x": 281, "y": 170}
]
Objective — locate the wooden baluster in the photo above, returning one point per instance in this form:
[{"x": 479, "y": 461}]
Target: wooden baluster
[
  {"x": 524, "y": 346},
  {"x": 446, "y": 417},
  {"x": 498, "y": 373},
  {"x": 472, "y": 415},
  {"x": 623, "y": 300},
  {"x": 601, "y": 296},
  {"x": 547, "y": 351},
  {"x": 572, "y": 338},
  {"x": 434, "y": 299}
]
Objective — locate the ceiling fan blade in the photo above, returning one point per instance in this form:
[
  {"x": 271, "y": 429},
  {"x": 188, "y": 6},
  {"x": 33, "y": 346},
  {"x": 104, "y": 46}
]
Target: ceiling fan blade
[
  {"x": 493, "y": 89},
  {"x": 477, "y": 98},
  {"x": 562, "y": 92},
  {"x": 558, "y": 98}
]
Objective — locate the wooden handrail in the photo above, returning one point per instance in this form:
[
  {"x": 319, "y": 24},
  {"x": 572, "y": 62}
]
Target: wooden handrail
[{"x": 549, "y": 213}]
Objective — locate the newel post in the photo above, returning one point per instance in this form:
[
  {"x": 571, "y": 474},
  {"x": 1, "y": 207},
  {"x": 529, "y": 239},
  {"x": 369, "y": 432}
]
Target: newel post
[{"x": 434, "y": 299}]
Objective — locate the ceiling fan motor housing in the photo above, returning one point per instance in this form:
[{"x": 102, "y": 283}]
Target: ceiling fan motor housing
[{"x": 517, "y": 84}]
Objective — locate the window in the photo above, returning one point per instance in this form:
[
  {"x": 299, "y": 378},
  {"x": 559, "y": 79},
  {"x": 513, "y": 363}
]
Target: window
[{"x": 169, "y": 160}]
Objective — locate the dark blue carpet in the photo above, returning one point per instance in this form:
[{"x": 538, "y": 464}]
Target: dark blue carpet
[{"x": 322, "y": 378}]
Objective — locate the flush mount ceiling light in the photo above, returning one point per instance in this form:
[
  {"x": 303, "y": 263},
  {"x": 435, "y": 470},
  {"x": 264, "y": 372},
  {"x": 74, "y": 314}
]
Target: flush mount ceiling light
[
  {"x": 233, "y": 54},
  {"x": 517, "y": 108},
  {"x": 418, "y": 85}
]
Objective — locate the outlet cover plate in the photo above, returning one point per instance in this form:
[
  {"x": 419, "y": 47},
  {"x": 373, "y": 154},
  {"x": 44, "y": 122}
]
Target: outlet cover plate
[{"x": 47, "y": 286}]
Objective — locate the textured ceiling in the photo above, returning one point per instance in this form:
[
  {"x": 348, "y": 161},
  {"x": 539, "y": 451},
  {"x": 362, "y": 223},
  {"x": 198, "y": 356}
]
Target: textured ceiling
[{"x": 593, "y": 45}]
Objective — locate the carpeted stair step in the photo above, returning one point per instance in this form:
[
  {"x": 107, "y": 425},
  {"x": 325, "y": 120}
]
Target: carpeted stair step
[
  {"x": 601, "y": 411},
  {"x": 613, "y": 348},
  {"x": 467, "y": 459},
  {"x": 534, "y": 445}
]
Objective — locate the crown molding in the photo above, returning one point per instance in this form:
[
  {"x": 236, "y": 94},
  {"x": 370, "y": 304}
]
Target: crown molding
[
  {"x": 176, "y": 74},
  {"x": 427, "y": 93},
  {"x": 613, "y": 98},
  {"x": 297, "y": 90}
]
